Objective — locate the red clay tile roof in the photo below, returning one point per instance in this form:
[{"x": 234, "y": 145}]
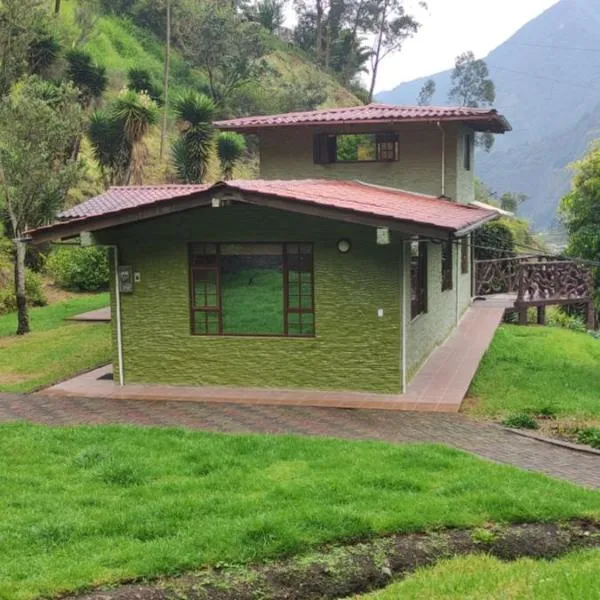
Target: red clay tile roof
[
  {"x": 119, "y": 198},
  {"x": 345, "y": 196},
  {"x": 484, "y": 119}
]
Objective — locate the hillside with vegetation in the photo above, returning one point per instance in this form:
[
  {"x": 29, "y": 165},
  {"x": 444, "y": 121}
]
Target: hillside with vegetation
[{"x": 546, "y": 78}]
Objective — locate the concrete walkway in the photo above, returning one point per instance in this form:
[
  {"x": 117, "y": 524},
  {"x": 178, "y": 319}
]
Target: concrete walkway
[
  {"x": 440, "y": 385},
  {"x": 101, "y": 315},
  {"x": 486, "y": 440}
]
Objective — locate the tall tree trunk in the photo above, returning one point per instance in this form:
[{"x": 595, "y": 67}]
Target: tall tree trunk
[
  {"x": 163, "y": 131},
  {"x": 57, "y": 7},
  {"x": 22, "y": 313},
  {"x": 377, "y": 56},
  {"x": 319, "y": 30}
]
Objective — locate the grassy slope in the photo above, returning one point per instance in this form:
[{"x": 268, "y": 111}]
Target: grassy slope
[
  {"x": 85, "y": 506},
  {"x": 55, "y": 350},
  {"x": 531, "y": 368},
  {"x": 120, "y": 45},
  {"x": 574, "y": 577}
]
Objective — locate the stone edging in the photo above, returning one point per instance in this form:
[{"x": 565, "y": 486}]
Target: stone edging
[{"x": 554, "y": 442}]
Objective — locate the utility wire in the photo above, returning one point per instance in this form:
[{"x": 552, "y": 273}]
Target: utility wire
[
  {"x": 561, "y": 81},
  {"x": 579, "y": 49}
]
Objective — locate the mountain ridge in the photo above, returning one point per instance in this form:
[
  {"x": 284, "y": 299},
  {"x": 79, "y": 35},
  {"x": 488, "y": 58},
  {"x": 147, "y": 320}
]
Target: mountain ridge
[{"x": 545, "y": 76}]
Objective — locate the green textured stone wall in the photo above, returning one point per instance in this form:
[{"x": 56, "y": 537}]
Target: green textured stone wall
[
  {"x": 429, "y": 330},
  {"x": 354, "y": 349},
  {"x": 287, "y": 153}
]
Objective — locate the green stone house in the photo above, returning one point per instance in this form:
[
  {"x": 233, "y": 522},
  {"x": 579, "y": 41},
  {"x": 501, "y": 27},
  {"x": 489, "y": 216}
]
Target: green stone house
[{"x": 341, "y": 268}]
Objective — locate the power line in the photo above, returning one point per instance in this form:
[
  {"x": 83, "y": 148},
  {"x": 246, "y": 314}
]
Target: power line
[
  {"x": 579, "y": 49},
  {"x": 561, "y": 81}
]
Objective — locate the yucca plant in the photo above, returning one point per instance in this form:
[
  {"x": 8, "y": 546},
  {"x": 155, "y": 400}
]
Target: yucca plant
[
  {"x": 111, "y": 149},
  {"x": 191, "y": 152},
  {"x": 138, "y": 114},
  {"x": 230, "y": 148},
  {"x": 88, "y": 77}
]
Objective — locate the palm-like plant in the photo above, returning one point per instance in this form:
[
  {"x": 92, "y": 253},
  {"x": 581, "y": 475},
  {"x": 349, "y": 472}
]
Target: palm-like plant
[
  {"x": 230, "y": 148},
  {"x": 111, "y": 149},
  {"x": 88, "y": 77},
  {"x": 191, "y": 152},
  {"x": 138, "y": 114}
]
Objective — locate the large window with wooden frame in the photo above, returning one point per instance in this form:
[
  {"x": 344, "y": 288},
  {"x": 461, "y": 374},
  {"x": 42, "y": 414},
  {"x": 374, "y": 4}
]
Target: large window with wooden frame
[
  {"x": 262, "y": 289},
  {"x": 418, "y": 278},
  {"x": 465, "y": 258},
  {"x": 447, "y": 279},
  {"x": 356, "y": 147}
]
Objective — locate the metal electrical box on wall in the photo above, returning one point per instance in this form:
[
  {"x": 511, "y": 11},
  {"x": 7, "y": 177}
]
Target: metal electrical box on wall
[{"x": 125, "y": 279}]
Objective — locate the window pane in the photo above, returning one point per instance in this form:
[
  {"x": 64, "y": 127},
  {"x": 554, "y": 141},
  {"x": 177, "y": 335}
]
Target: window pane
[
  {"x": 308, "y": 324},
  {"x": 205, "y": 288},
  {"x": 206, "y": 323},
  {"x": 252, "y": 288},
  {"x": 356, "y": 147}
]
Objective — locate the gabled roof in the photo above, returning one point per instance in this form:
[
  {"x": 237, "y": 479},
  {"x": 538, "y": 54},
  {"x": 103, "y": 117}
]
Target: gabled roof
[
  {"x": 480, "y": 119},
  {"x": 341, "y": 200}
]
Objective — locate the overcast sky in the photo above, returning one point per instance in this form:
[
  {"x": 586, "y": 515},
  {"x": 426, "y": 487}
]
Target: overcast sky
[{"x": 453, "y": 26}]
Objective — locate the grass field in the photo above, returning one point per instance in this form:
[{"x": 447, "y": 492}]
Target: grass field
[
  {"x": 55, "y": 349},
  {"x": 90, "y": 505},
  {"x": 573, "y": 577},
  {"x": 530, "y": 369}
]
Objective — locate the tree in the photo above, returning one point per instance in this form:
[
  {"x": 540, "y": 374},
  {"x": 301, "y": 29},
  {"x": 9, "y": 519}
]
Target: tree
[
  {"x": 37, "y": 126},
  {"x": 230, "y": 148},
  {"x": 510, "y": 201},
  {"x": 191, "y": 152},
  {"x": 137, "y": 113},
  {"x": 20, "y": 24},
  {"x": 89, "y": 77},
  {"x": 580, "y": 209},
  {"x": 268, "y": 14},
  {"x": 226, "y": 46},
  {"x": 494, "y": 240},
  {"x": 166, "y": 74},
  {"x": 427, "y": 92}
]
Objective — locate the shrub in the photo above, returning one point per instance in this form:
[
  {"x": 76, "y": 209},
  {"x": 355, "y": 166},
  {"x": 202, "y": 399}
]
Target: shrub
[
  {"x": 33, "y": 289},
  {"x": 79, "y": 269},
  {"x": 590, "y": 436},
  {"x": 520, "y": 421},
  {"x": 560, "y": 318}
]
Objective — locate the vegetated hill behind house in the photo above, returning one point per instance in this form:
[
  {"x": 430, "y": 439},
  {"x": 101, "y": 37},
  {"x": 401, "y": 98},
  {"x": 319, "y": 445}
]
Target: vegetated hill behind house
[
  {"x": 120, "y": 45},
  {"x": 547, "y": 79}
]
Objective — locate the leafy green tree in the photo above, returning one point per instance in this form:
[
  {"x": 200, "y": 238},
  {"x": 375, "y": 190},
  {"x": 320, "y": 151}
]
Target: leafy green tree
[
  {"x": 36, "y": 169},
  {"x": 268, "y": 14},
  {"x": 426, "y": 94},
  {"x": 230, "y": 149},
  {"x": 494, "y": 240},
  {"x": 472, "y": 86},
  {"x": 191, "y": 152},
  {"x": 89, "y": 77},
  {"x": 140, "y": 80},
  {"x": 226, "y": 46},
  {"x": 510, "y": 201},
  {"x": 20, "y": 23},
  {"x": 138, "y": 114},
  {"x": 580, "y": 209}
]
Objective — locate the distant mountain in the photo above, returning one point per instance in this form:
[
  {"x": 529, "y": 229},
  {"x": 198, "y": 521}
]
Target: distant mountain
[{"x": 547, "y": 78}]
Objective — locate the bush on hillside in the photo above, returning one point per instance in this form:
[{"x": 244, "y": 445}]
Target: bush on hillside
[
  {"x": 494, "y": 240},
  {"x": 79, "y": 269},
  {"x": 33, "y": 289}
]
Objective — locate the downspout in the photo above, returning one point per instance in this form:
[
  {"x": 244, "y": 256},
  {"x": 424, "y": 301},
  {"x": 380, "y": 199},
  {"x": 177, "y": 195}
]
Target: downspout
[
  {"x": 457, "y": 260},
  {"x": 404, "y": 327},
  {"x": 115, "y": 250},
  {"x": 443, "y": 158}
]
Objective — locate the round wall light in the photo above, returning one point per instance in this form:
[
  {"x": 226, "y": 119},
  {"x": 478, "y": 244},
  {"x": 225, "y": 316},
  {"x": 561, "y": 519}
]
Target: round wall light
[{"x": 344, "y": 246}]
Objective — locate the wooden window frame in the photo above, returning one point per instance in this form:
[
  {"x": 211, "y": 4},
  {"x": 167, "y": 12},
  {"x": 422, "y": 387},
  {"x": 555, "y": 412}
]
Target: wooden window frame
[
  {"x": 218, "y": 308},
  {"x": 419, "y": 306},
  {"x": 325, "y": 148},
  {"x": 447, "y": 265},
  {"x": 464, "y": 256}
]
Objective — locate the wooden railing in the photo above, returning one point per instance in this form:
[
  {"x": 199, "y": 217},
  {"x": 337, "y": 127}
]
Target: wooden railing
[{"x": 537, "y": 281}]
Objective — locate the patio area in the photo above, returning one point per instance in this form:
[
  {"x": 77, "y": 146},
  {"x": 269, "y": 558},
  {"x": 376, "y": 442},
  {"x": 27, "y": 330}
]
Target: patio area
[{"x": 440, "y": 385}]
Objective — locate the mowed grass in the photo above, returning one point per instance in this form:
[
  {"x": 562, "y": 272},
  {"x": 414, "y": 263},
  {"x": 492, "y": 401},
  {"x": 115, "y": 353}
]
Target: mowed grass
[
  {"x": 92, "y": 505},
  {"x": 55, "y": 349},
  {"x": 573, "y": 577},
  {"x": 528, "y": 369}
]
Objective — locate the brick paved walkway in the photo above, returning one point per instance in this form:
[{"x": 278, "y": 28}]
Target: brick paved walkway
[{"x": 489, "y": 441}]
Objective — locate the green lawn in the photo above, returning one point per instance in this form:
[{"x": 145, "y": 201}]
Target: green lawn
[
  {"x": 573, "y": 577},
  {"x": 528, "y": 369},
  {"x": 55, "y": 350},
  {"x": 91, "y": 505}
]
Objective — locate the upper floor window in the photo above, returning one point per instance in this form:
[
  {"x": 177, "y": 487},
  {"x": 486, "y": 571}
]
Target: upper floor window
[
  {"x": 468, "y": 149},
  {"x": 446, "y": 266},
  {"x": 356, "y": 147},
  {"x": 252, "y": 289}
]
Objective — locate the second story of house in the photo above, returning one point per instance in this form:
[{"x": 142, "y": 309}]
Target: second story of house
[{"x": 423, "y": 149}]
